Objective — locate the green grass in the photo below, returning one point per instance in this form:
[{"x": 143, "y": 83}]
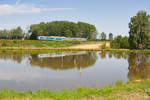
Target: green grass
[
  {"x": 126, "y": 50},
  {"x": 55, "y": 45},
  {"x": 36, "y": 43},
  {"x": 109, "y": 92}
]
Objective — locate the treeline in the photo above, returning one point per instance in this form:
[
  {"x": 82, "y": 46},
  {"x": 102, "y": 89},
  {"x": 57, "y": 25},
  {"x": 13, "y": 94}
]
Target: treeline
[
  {"x": 117, "y": 42},
  {"x": 54, "y": 28},
  {"x": 103, "y": 37},
  {"x": 64, "y": 28},
  {"x": 139, "y": 34},
  {"x": 16, "y": 33}
]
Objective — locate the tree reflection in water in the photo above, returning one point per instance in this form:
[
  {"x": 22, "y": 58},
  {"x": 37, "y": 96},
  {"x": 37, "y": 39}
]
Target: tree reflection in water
[
  {"x": 139, "y": 65},
  {"x": 117, "y": 55},
  {"x": 15, "y": 56},
  {"x": 65, "y": 62}
]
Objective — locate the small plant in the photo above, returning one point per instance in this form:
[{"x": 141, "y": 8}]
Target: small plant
[
  {"x": 104, "y": 46},
  {"x": 4, "y": 44},
  {"x": 118, "y": 83}
]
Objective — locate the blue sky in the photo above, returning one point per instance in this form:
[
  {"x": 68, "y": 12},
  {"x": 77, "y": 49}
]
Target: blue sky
[{"x": 107, "y": 15}]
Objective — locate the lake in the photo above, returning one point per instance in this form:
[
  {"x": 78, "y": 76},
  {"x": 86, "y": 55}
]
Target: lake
[{"x": 23, "y": 70}]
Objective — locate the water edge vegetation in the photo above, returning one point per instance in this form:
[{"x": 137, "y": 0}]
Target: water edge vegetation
[{"x": 133, "y": 90}]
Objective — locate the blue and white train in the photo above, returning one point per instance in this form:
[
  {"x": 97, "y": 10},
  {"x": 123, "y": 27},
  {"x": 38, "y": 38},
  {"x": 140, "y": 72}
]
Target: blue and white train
[{"x": 51, "y": 38}]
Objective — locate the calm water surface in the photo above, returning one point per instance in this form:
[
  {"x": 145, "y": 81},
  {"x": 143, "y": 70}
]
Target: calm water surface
[{"x": 57, "y": 71}]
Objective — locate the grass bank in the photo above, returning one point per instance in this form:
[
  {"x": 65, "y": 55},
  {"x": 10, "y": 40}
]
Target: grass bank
[
  {"x": 30, "y": 45},
  {"x": 50, "y": 45},
  {"x": 48, "y": 49},
  {"x": 37, "y": 43},
  {"x": 133, "y": 90}
]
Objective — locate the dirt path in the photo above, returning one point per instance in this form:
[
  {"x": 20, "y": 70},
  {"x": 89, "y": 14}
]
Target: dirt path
[
  {"x": 100, "y": 45},
  {"x": 83, "y": 46}
]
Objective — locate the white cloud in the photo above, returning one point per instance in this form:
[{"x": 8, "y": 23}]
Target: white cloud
[
  {"x": 17, "y": 2},
  {"x": 13, "y": 9},
  {"x": 6, "y": 9},
  {"x": 57, "y": 9}
]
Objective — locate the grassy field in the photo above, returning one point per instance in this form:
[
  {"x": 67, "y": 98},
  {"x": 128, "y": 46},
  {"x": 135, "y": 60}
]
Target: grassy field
[
  {"x": 49, "y": 45},
  {"x": 133, "y": 90},
  {"x": 37, "y": 43}
]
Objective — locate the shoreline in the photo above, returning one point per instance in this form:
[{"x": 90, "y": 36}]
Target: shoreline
[
  {"x": 133, "y": 90},
  {"x": 67, "y": 49},
  {"x": 31, "y": 45}
]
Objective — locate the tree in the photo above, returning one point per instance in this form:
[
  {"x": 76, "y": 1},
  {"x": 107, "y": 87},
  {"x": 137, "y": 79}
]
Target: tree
[
  {"x": 87, "y": 30},
  {"x": 103, "y": 36},
  {"x": 68, "y": 33},
  {"x": 120, "y": 42},
  {"x": 110, "y": 36},
  {"x": 139, "y": 34},
  {"x": 65, "y": 28},
  {"x": 33, "y": 35},
  {"x": 16, "y": 33}
]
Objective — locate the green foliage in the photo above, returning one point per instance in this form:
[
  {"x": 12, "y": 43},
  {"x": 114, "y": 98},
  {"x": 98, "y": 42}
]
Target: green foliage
[
  {"x": 64, "y": 28},
  {"x": 110, "y": 92},
  {"x": 120, "y": 42},
  {"x": 139, "y": 35},
  {"x": 104, "y": 46},
  {"x": 33, "y": 35},
  {"x": 27, "y": 37},
  {"x": 4, "y": 44},
  {"x": 103, "y": 36},
  {"x": 37, "y": 43},
  {"x": 11, "y": 34},
  {"x": 97, "y": 40},
  {"x": 110, "y": 36}
]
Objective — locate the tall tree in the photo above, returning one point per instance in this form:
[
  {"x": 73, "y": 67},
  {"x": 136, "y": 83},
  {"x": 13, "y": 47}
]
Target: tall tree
[
  {"x": 65, "y": 28},
  {"x": 33, "y": 35},
  {"x": 139, "y": 34},
  {"x": 16, "y": 33},
  {"x": 110, "y": 36},
  {"x": 103, "y": 36}
]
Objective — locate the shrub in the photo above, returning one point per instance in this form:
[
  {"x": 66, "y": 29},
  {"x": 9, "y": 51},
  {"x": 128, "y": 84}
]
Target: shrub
[{"x": 4, "y": 44}]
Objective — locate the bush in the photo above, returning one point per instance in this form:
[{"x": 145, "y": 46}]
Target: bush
[{"x": 4, "y": 44}]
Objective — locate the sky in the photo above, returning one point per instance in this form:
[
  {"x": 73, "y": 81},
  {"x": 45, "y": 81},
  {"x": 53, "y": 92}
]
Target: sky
[{"x": 107, "y": 15}]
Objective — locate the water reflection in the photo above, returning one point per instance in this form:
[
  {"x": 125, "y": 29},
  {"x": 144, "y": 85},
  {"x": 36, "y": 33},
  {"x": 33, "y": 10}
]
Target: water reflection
[
  {"x": 51, "y": 70},
  {"x": 117, "y": 55},
  {"x": 64, "y": 61},
  {"x": 139, "y": 65},
  {"x": 14, "y": 56}
]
